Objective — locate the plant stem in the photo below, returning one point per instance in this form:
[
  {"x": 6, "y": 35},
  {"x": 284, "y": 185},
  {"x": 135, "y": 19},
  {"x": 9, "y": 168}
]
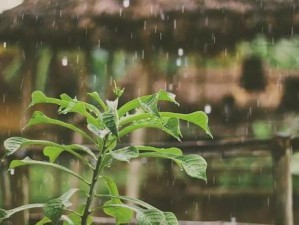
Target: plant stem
[{"x": 99, "y": 167}]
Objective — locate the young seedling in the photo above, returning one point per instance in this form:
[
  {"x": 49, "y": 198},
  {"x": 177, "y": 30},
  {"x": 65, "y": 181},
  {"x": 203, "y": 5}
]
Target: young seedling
[{"x": 106, "y": 125}]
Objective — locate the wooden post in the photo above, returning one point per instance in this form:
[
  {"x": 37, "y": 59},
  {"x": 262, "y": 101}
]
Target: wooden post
[
  {"x": 281, "y": 153},
  {"x": 20, "y": 180}
]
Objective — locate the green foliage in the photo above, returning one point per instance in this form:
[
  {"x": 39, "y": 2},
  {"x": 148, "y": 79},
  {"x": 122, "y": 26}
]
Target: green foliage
[{"x": 106, "y": 124}]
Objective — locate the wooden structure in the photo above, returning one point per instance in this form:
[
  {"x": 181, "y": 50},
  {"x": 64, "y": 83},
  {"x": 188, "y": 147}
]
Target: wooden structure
[{"x": 206, "y": 26}]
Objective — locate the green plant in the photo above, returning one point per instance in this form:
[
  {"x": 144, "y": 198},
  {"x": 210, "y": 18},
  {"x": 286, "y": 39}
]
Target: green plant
[{"x": 106, "y": 124}]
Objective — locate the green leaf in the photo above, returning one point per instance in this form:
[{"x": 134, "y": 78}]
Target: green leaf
[
  {"x": 54, "y": 210},
  {"x": 52, "y": 152},
  {"x": 40, "y": 118},
  {"x": 198, "y": 118},
  {"x": 170, "y": 218},
  {"x": 168, "y": 125},
  {"x": 149, "y": 105},
  {"x": 122, "y": 214},
  {"x": 194, "y": 165},
  {"x": 13, "y": 144},
  {"x": 27, "y": 161},
  {"x": 150, "y": 217},
  {"x": 66, "y": 102},
  {"x": 4, "y": 214},
  {"x": 97, "y": 97},
  {"x": 172, "y": 127},
  {"x": 171, "y": 151},
  {"x": 110, "y": 120},
  {"x": 135, "y": 103},
  {"x": 125, "y": 154}
]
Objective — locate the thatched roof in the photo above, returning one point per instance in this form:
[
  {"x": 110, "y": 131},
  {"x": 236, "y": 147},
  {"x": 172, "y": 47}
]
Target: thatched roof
[{"x": 195, "y": 25}]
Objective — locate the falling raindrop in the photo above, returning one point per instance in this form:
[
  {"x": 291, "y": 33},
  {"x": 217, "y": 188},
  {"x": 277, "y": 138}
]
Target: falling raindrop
[
  {"x": 208, "y": 109},
  {"x": 160, "y": 36},
  {"x": 12, "y": 171},
  {"x": 183, "y": 9},
  {"x": 64, "y": 61},
  {"x": 4, "y": 45},
  {"x": 179, "y": 62},
  {"x": 126, "y": 3},
  {"x": 142, "y": 54},
  {"x": 180, "y": 52},
  {"x": 174, "y": 24},
  {"x": 144, "y": 25}
]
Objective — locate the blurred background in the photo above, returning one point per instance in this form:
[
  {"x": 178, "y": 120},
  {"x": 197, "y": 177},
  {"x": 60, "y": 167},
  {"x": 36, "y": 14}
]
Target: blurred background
[{"x": 236, "y": 60}]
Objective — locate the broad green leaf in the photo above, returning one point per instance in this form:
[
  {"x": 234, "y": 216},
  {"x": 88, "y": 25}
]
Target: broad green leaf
[
  {"x": 150, "y": 105},
  {"x": 39, "y": 97},
  {"x": 172, "y": 127},
  {"x": 170, "y": 218},
  {"x": 198, "y": 118},
  {"x": 54, "y": 210},
  {"x": 125, "y": 154},
  {"x": 97, "y": 97},
  {"x": 135, "y": 103},
  {"x": 40, "y": 118},
  {"x": 13, "y": 144},
  {"x": 52, "y": 152},
  {"x": 110, "y": 120},
  {"x": 150, "y": 217},
  {"x": 27, "y": 161},
  {"x": 111, "y": 185},
  {"x": 122, "y": 214},
  {"x": 168, "y": 125},
  {"x": 171, "y": 151},
  {"x": 194, "y": 165}
]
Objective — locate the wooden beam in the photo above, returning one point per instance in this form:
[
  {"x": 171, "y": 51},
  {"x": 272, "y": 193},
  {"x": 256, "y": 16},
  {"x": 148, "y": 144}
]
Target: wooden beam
[{"x": 281, "y": 153}]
